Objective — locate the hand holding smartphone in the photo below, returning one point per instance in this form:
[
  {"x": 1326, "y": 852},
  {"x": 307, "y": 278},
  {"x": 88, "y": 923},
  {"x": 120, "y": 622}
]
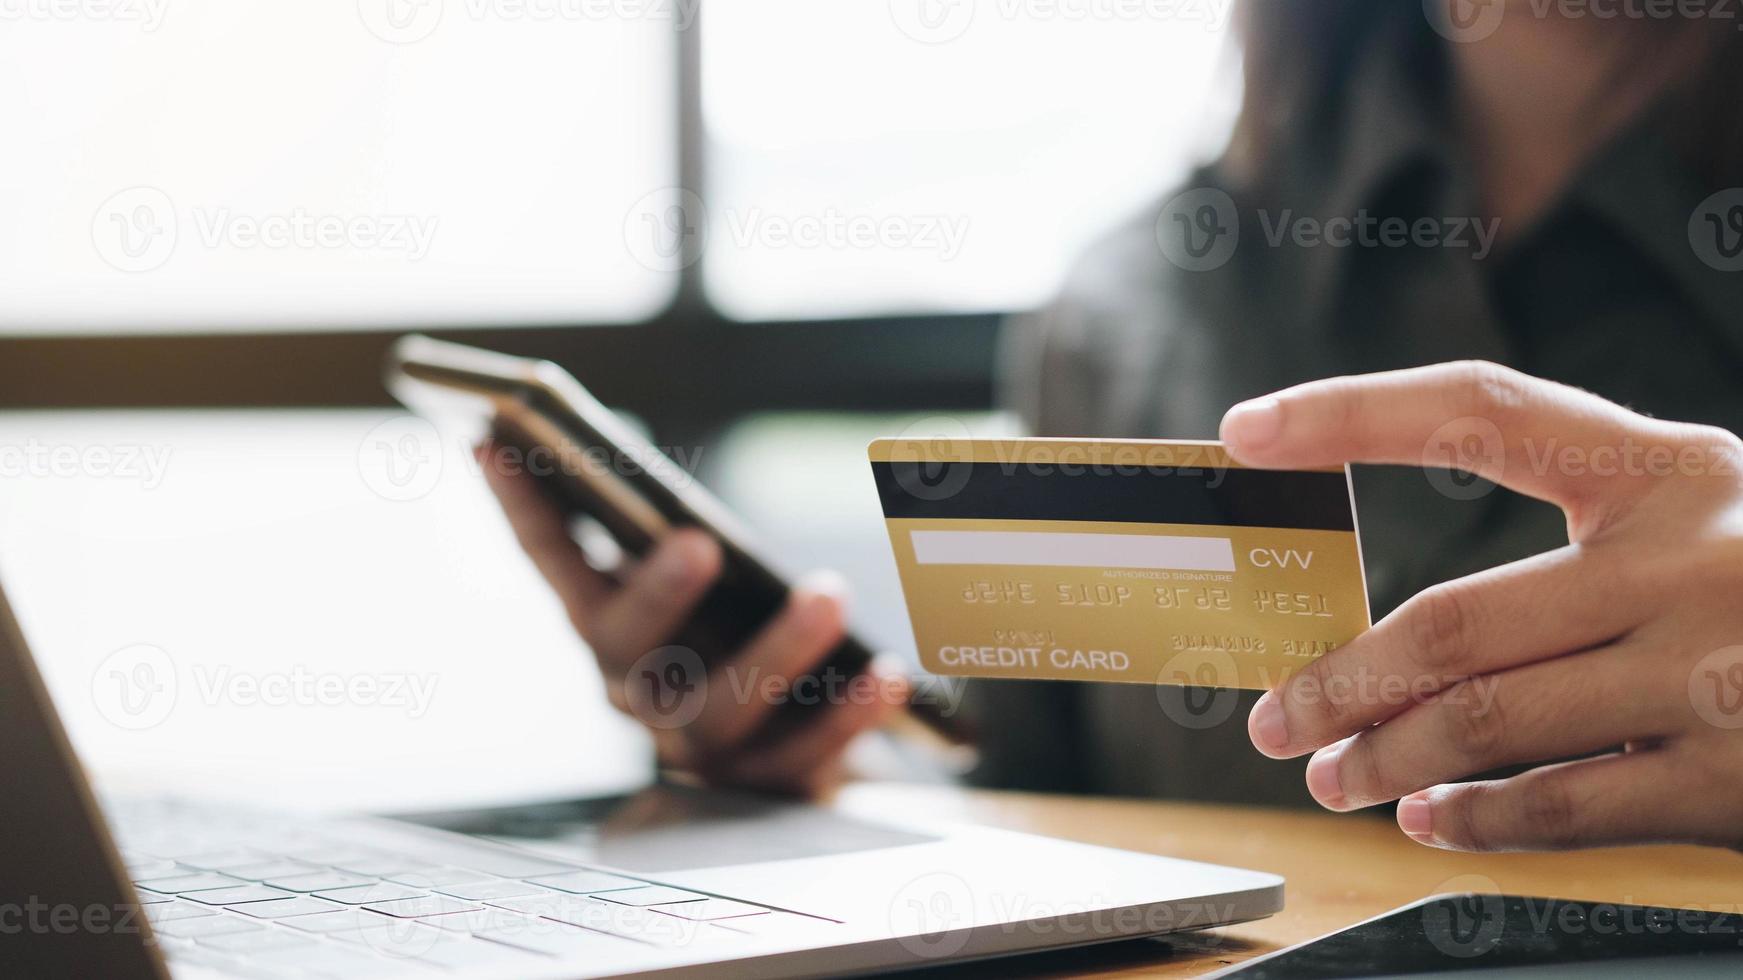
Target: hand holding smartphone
[{"x": 594, "y": 467}]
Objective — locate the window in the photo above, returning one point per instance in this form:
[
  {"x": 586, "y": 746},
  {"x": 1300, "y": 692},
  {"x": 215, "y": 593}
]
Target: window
[
  {"x": 247, "y": 165},
  {"x": 880, "y": 156},
  {"x": 217, "y": 166}
]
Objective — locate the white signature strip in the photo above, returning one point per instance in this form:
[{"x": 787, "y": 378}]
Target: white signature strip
[{"x": 1068, "y": 550}]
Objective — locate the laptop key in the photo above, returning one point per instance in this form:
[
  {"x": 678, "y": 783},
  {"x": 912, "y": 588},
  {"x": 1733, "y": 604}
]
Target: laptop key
[
  {"x": 177, "y": 910},
  {"x": 400, "y": 938},
  {"x": 272, "y": 869},
  {"x": 650, "y": 895},
  {"x": 555, "y": 938},
  {"x": 379, "y": 866},
  {"x": 436, "y": 877},
  {"x": 227, "y": 964},
  {"x": 459, "y": 952},
  {"x": 710, "y": 909},
  {"x": 252, "y": 942},
  {"x": 416, "y": 908},
  {"x": 625, "y": 921},
  {"x": 319, "y": 881},
  {"x": 509, "y": 864},
  {"x": 586, "y": 882},
  {"x": 479, "y": 919},
  {"x": 365, "y": 894},
  {"x": 237, "y": 896},
  {"x": 181, "y": 884},
  {"x": 337, "y": 960},
  {"x": 213, "y": 926},
  {"x": 500, "y": 888},
  {"x": 345, "y": 919},
  {"x": 284, "y": 908}
]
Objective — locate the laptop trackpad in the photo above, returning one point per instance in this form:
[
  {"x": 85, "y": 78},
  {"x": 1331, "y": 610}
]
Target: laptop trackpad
[{"x": 669, "y": 828}]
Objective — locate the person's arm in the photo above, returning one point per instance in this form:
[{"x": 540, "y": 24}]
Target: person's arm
[
  {"x": 1622, "y": 651},
  {"x": 725, "y": 735}
]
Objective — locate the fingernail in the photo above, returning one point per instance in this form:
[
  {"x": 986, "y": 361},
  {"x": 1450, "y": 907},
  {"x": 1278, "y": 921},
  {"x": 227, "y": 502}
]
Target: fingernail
[
  {"x": 1416, "y": 817},
  {"x": 1322, "y": 777},
  {"x": 1253, "y": 424},
  {"x": 1267, "y": 725}
]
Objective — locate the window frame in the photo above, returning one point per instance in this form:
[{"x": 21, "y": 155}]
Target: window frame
[{"x": 689, "y": 369}]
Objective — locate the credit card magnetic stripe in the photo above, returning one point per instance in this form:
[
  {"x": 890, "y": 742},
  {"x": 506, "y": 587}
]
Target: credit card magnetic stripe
[{"x": 1230, "y": 497}]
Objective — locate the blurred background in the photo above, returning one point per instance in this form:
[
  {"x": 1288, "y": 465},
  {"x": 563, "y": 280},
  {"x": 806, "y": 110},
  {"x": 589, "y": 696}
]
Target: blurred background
[{"x": 769, "y": 230}]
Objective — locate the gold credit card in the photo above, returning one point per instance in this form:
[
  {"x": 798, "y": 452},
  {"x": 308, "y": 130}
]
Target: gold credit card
[{"x": 1136, "y": 561}]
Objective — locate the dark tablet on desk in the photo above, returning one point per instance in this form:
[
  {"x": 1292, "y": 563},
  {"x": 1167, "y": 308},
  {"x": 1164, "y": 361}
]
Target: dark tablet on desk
[{"x": 1515, "y": 936}]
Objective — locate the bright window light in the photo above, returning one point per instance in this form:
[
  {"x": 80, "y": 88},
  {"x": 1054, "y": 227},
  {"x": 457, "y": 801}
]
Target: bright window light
[
  {"x": 876, "y": 156},
  {"x": 252, "y": 164}
]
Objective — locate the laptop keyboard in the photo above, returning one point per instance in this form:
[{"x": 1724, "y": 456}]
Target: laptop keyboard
[{"x": 321, "y": 908}]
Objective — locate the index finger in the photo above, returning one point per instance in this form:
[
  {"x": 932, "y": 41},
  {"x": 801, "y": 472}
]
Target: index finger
[
  {"x": 1483, "y": 418},
  {"x": 1531, "y": 610},
  {"x": 543, "y": 533}
]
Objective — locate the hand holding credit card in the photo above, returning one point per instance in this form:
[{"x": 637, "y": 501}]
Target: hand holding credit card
[{"x": 1142, "y": 562}]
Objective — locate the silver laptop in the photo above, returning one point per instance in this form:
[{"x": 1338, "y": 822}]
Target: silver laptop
[{"x": 668, "y": 882}]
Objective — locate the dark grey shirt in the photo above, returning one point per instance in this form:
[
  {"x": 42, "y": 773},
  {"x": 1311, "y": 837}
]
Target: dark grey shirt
[{"x": 1609, "y": 291}]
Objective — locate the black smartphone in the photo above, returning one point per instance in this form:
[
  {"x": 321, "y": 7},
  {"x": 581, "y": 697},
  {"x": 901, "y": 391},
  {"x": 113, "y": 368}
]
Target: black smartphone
[{"x": 596, "y": 466}]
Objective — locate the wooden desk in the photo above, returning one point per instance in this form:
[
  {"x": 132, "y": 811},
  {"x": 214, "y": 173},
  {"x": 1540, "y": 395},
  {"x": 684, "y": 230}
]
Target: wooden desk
[{"x": 1342, "y": 868}]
